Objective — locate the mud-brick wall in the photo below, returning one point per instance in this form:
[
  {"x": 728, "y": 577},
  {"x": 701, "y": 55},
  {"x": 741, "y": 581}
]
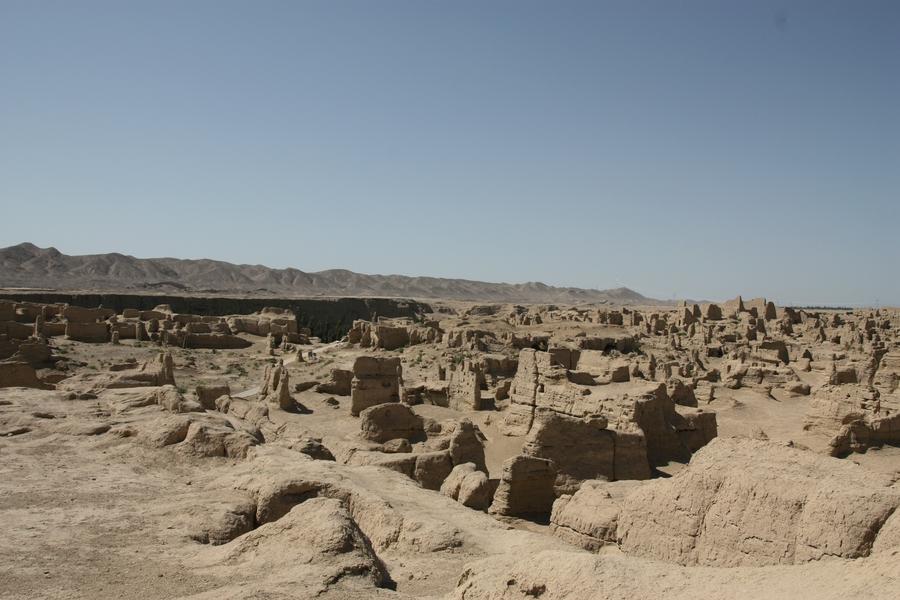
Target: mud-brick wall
[{"x": 328, "y": 318}]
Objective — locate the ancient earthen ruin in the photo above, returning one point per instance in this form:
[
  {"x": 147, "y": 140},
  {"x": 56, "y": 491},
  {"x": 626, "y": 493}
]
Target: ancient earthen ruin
[{"x": 466, "y": 451}]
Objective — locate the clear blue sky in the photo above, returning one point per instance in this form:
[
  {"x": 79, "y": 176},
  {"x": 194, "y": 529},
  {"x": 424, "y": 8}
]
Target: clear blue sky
[{"x": 702, "y": 149}]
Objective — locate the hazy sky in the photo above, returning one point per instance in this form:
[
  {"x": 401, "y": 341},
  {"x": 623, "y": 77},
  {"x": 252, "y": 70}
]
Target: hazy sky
[{"x": 699, "y": 149}]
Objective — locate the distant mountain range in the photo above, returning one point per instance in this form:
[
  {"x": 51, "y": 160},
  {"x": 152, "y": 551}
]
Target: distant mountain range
[{"x": 27, "y": 266}]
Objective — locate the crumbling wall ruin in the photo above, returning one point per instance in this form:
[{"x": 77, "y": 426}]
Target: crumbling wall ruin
[{"x": 375, "y": 381}]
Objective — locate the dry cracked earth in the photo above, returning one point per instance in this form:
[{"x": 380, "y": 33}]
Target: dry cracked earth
[{"x": 740, "y": 450}]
